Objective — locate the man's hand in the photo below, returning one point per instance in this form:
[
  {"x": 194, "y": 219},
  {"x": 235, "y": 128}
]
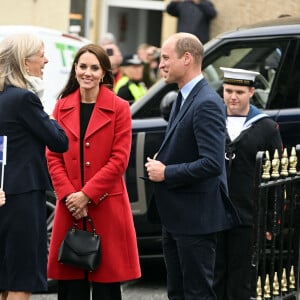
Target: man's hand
[
  {"x": 2, "y": 197},
  {"x": 155, "y": 170},
  {"x": 268, "y": 236}
]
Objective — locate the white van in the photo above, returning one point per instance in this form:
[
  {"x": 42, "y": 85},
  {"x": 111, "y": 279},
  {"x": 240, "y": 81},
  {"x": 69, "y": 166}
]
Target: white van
[{"x": 60, "y": 49}]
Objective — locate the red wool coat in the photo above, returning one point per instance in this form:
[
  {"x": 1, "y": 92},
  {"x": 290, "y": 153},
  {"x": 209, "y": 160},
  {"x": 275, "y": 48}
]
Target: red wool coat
[{"x": 106, "y": 153}]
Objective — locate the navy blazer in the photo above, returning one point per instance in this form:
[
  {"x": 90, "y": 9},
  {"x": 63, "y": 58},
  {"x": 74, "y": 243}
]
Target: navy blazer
[
  {"x": 193, "y": 199},
  {"x": 29, "y": 130}
]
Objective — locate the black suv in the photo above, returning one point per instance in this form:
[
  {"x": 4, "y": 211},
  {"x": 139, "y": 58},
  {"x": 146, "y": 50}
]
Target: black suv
[{"x": 271, "y": 48}]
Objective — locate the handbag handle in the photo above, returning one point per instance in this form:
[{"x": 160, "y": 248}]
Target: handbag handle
[{"x": 89, "y": 219}]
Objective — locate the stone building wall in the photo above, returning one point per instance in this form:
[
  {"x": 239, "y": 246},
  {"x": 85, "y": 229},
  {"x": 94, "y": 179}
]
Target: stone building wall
[
  {"x": 46, "y": 13},
  {"x": 234, "y": 13},
  {"x": 55, "y": 14}
]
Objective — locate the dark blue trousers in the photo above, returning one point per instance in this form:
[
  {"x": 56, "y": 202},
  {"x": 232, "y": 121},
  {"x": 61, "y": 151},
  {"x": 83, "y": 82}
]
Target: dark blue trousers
[
  {"x": 190, "y": 261},
  {"x": 233, "y": 264}
]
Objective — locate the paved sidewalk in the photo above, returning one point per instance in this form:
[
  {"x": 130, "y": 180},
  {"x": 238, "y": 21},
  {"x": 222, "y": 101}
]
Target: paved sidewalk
[{"x": 135, "y": 290}]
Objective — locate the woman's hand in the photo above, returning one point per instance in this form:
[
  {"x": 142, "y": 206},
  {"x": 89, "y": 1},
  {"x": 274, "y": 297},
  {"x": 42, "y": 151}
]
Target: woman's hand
[
  {"x": 77, "y": 204},
  {"x": 81, "y": 214}
]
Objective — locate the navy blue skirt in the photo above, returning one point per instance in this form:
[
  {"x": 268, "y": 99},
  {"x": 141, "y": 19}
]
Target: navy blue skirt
[{"x": 23, "y": 243}]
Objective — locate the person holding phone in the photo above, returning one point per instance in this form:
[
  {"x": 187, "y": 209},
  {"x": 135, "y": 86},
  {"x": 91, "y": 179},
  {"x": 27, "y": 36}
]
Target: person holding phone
[{"x": 115, "y": 56}]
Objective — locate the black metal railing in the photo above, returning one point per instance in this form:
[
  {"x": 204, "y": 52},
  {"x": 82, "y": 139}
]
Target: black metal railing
[{"x": 275, "y": 255}]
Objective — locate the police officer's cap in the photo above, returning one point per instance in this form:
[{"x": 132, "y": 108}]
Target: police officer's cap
[{"x": 131, "y": 60}]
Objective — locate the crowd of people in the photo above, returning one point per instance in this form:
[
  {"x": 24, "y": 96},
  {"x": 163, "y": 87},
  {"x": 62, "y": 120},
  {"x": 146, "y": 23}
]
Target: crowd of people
[
  {"x": 134, "y": 73},
  {"x": 194, "y": 16},
  {"x": 202, "y": 193}
]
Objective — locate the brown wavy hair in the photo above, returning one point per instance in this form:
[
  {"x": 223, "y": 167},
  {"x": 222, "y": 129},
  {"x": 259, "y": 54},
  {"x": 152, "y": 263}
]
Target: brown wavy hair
[{"x": 108, "y": 80}]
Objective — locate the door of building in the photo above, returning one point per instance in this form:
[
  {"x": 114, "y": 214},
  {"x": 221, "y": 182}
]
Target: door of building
[{"x": 132, "y": 22}]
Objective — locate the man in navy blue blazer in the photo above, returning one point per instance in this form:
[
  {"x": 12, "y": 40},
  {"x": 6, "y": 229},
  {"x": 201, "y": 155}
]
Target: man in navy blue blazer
[{"x": 188, "y": 172}]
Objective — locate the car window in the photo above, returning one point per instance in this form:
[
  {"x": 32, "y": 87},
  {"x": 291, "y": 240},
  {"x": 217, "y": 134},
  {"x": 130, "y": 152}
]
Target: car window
[
  {"x": 152, "y": 107},
  {"x": 285, "y": 93},
  {"x": 264, "y": 58},
  {"x": 276, "y": 59}
]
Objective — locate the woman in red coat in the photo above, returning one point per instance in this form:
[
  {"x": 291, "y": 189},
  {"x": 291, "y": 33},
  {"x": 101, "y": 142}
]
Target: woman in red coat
[{"x": 88, "y": 179}]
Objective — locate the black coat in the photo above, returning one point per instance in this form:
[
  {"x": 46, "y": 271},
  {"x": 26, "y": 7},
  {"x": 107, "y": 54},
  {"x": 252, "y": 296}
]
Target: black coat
[
  {"x": 262, "y": 135},
  {"x": 29, "y": 130}
]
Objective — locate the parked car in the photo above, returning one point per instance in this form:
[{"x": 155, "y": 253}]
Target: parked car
[{"x": 271, "y": 48}]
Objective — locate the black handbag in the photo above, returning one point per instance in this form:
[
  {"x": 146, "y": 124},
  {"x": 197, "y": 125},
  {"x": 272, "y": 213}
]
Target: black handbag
[{"x": 81, "y": 248}]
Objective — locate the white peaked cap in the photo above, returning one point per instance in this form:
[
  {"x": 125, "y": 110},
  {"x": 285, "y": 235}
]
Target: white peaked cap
[{"x": 239, "y": 76}]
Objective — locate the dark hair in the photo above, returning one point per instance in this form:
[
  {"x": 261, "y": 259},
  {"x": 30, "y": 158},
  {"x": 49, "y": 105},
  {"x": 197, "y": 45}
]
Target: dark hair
[{"x": 108, "y": 80}]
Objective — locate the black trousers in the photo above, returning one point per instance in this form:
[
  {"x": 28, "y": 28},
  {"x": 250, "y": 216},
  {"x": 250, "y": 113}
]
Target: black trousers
[
  {"x": 82, "y": 289},
  {"x": 233, "y": 264},
  {"x": 190, "y": 263}
]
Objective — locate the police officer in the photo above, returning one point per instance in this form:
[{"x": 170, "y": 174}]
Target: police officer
[{"x": 130, "y": 86}]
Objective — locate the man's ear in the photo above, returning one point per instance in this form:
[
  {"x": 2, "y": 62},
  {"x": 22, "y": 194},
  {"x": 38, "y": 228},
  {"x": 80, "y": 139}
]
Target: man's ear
[
  {"x": 187, "y": 58},
  {"x": 252, "y": 91}
]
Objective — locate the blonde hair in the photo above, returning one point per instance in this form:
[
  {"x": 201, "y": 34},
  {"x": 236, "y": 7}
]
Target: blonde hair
[{"x": 14, "y": 50}]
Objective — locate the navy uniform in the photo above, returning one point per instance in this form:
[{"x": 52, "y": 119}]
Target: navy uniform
[{"x": 246, "y": 135}]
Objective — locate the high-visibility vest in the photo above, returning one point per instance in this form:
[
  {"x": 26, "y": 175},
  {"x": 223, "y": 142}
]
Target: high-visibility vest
[{"x": 137, "y": 90}]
